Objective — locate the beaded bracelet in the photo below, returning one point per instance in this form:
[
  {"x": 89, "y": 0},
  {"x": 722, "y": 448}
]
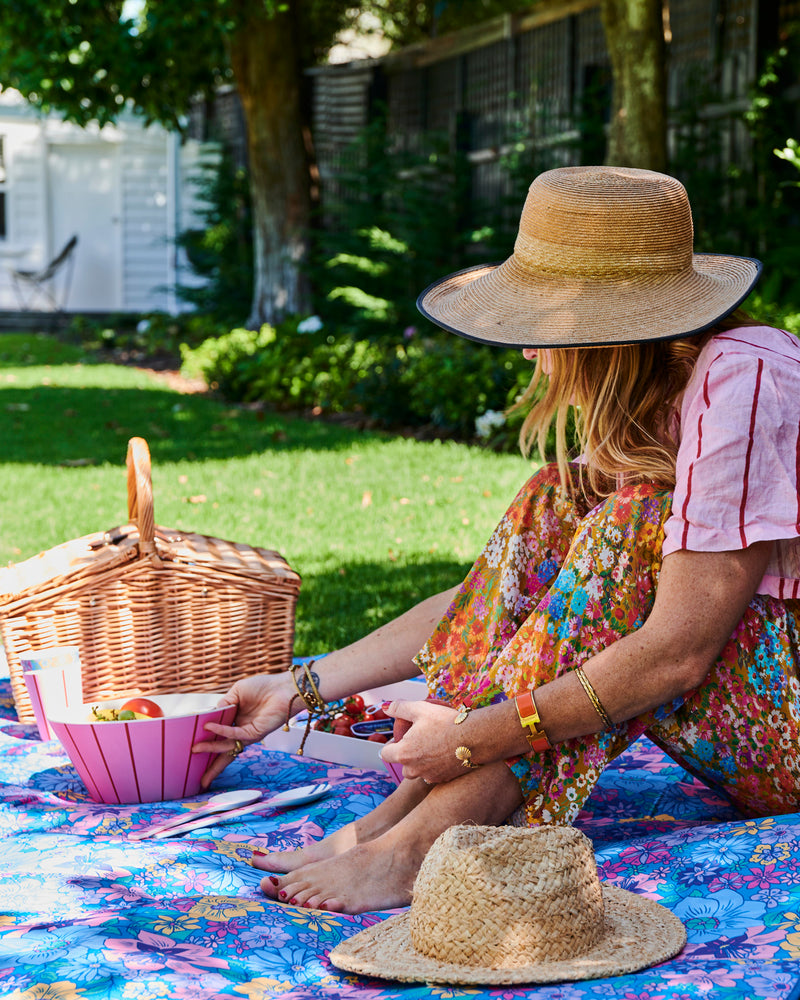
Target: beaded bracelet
[{"x": 308, "y": 692}]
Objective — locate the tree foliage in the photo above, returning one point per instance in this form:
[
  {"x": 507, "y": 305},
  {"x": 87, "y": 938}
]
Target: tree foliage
[
  {"x": 89, "y": 60},
  {"x": 86, "y": 60}
]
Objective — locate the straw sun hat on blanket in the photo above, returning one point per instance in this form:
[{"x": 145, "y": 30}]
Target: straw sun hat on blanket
[
  {"x": 497, "y": 905},
  {"x": 604, "y": 255}
]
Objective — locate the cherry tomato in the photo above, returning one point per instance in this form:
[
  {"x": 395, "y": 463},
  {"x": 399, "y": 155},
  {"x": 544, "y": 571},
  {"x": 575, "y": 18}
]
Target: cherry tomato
[
  {"x": 143, "y": 706},
  {"x": 354, "y": 706},
  {"x": 378, "y": 738},
  {"x": 342, "y": 727}
]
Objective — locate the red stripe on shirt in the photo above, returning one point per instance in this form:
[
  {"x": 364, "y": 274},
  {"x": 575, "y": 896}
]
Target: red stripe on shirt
[
  {"x": 706, "y": 398},
  {"x": 687, "y": 498},
  {"x": 755, "y": 343},
  {"x": 685, "y": 534},
  {"x": 746, "y": 477}
]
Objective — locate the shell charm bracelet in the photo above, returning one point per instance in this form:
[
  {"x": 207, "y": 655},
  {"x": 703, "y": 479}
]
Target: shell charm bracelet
[{"x": 464, "y": 754}]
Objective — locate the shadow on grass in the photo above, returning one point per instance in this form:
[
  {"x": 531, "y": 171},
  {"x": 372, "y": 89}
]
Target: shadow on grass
[
  {"x": 55, "y": 425},
  {"x": 338, "y": 607}
]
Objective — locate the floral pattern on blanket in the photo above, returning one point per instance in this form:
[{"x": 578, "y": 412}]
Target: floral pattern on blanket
[{"x": 87, "y": 913}]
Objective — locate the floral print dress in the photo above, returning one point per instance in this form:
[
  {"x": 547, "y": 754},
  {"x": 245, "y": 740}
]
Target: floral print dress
[{"x": 558, "y": 582}]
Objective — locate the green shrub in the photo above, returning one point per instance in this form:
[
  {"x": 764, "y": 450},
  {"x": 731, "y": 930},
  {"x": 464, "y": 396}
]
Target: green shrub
[
  {"x": 442, "y": 382},
  {"x": 400, "y": 216},
  {"x": 438, "y": 384},
  {"x": 283, "y": 367},
  {"x": 142, "y": 335}
]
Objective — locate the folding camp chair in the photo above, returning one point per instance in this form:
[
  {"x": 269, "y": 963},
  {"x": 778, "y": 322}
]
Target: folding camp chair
[{"x": 50, "y": 283}]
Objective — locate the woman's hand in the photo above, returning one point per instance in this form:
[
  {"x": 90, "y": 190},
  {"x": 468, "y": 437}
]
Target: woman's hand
[
  {"x": 262, "y": 703},
  {"x": 425, "y": 741}
]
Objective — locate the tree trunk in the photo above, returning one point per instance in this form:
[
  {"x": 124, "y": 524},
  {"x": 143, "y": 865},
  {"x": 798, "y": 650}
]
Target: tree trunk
[
  {"x": 266, "y": 67},
  {"x": 634, "y": 31}
]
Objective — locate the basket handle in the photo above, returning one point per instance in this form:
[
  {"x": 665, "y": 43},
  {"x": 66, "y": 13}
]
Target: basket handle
[{"x": 140, "y": 494}]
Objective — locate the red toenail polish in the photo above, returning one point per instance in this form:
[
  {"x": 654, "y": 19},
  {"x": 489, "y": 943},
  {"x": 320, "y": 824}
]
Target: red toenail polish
[
  {"x": 273, "y": 880},
  {"x": 293, "y": 901},
  {"x": 259, "y": 854},
  {"x": 282, "y": 894}
]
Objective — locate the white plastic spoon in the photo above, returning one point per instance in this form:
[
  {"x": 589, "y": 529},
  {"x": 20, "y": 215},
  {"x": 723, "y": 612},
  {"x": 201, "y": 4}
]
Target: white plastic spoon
[
  {"x": 291, "y": 797},
  {"x": 217, "y": 803}
]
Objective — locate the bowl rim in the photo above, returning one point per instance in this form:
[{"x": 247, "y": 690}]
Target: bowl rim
[{"x": 67, "y": 716}]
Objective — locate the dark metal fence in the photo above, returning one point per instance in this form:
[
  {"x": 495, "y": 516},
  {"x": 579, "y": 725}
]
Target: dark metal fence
[
  {"x": 542, "y": 79},
  {"x": 538, "y": 82}
]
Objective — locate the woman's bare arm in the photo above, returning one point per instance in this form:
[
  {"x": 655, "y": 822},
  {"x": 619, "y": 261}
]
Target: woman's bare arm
[
  {"x": 381, "y": 657},
  {"x": 701, "y": 597}
]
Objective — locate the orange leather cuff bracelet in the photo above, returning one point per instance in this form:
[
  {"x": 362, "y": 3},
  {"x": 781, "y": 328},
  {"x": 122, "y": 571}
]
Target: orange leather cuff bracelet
[{"x": 530, "y": 721}]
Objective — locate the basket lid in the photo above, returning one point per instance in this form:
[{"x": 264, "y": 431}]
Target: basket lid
[
  {"x": 98, "y": 552},
  {"x": 107, "y": 551}
]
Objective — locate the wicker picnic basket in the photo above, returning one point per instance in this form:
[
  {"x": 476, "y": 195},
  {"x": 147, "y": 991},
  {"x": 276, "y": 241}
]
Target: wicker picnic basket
[{"x": 151, "y": 610}]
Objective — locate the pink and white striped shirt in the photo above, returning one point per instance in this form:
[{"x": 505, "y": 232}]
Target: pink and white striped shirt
[{"x": 738, "y": 469}]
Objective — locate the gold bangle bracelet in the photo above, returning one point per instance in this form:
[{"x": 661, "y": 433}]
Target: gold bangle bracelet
[{"x": 592, "y": 696}]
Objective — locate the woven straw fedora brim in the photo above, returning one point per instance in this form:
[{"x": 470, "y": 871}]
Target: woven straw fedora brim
[
  {"x": 638, "y": 933},
  {"x": 507, "y": 305}
]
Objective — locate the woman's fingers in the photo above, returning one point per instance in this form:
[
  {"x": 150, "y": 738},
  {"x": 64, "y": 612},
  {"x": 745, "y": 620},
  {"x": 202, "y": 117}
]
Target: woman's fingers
[
  {"x": 227, "y": 732},
  {"x": 427, "y": 749}
]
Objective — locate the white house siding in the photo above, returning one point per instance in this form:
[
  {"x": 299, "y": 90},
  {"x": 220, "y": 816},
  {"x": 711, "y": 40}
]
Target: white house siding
[
  {"x": 26, "y": 182},
  {"x": 145, "y": 250},
  {"x": 120, "y": 189}
]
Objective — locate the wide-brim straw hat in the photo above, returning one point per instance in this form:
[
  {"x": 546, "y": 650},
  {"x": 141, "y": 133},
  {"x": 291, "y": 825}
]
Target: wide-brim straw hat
[
  {"x": 504, "y": 905},
  {"x": 604, "y": 255}
]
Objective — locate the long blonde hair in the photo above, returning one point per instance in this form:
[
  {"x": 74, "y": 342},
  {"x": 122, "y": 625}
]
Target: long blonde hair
[{"x": 624, "y": 400}]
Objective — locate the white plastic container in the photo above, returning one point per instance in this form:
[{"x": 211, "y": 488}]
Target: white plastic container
[{"x": 347, "y": 750}]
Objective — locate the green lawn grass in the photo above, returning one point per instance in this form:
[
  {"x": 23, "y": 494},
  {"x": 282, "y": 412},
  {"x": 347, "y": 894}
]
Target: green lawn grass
[{"x": 371, "y": 522}]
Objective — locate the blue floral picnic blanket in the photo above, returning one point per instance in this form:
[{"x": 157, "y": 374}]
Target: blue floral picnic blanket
[{"x": 87, "y": 913}]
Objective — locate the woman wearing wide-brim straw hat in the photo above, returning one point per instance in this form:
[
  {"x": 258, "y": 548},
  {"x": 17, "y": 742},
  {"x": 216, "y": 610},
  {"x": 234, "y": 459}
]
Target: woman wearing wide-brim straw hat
[{"x": 651, "y": 587}]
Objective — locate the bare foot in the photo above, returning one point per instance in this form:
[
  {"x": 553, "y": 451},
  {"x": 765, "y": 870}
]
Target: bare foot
[
  {"x": 371, "y": 876},
  {"x": 379, "y": 873},
  {"x": 319, "y": 850},
  {"x": 383, "y": 817}
]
